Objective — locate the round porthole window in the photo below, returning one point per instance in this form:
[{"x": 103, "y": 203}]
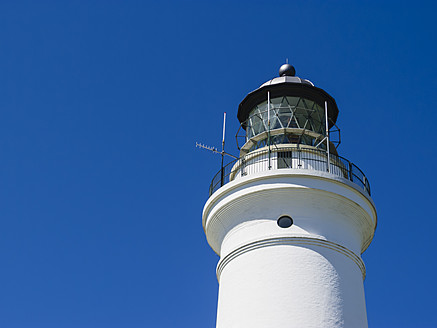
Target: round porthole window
[{"x": 285, "y": 221}]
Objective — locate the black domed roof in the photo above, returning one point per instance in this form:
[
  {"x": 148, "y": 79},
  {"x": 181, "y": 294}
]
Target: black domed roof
[{"x": 288, "y": 85}]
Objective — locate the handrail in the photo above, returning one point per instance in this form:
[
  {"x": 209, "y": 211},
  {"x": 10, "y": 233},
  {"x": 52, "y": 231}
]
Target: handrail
[{"x": 289, "y": 157}]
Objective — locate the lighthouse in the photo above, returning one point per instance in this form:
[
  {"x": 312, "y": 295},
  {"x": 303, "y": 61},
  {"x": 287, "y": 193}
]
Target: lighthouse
[{"x": 289, "y": 217}]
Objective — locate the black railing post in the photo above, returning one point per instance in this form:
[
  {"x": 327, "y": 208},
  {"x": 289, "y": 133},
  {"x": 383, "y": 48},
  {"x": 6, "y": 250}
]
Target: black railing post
[
  {"x": 350, "y": 171},
  {"x": 242, "y": 166},
  {"x": 299, "y": 158}
]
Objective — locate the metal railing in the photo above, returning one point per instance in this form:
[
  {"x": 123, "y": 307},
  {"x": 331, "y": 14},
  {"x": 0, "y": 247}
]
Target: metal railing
[{"x": 289, "y": 157}]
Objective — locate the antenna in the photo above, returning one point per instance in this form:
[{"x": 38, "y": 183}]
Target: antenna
[
  {"x": 224, "y": 128},
  {"x": 327, "y": 135},
  {"x": 223, "y": 150},
  {"x": 213, "y": 149},
  {"x": 223, "y": 153}
]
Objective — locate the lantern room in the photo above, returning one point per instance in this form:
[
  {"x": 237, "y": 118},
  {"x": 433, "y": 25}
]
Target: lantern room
[{"x": 297, "y": 113}]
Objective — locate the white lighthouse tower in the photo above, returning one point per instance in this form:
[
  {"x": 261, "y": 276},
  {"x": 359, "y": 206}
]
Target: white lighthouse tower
[{"x": 290, "y": 218}]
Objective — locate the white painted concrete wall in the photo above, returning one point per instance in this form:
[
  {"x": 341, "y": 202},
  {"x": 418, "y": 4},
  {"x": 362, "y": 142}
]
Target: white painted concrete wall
[
  {"x": 308, "y": 275},
  {"x": 291, "y": 285}
]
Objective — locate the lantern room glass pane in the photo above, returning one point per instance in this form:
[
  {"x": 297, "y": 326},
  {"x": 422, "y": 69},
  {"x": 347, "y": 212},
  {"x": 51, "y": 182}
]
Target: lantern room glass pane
[{"x": 286, "y": 112}]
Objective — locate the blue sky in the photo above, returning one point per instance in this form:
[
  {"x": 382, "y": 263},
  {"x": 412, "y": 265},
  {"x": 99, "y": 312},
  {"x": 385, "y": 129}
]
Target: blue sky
[{"x": 101, "y": 187}]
